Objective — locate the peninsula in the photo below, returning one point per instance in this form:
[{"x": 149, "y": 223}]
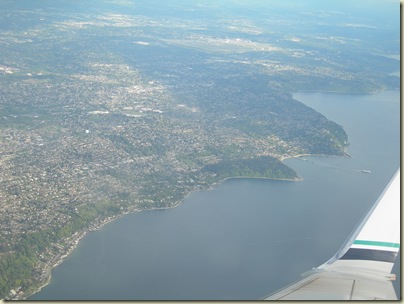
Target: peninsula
[{"x": 106, "y": 109}]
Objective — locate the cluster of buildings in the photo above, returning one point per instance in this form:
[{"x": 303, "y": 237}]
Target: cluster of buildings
[{"x": 99, "y": 132}]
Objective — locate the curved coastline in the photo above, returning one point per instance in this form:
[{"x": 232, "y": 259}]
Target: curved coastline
[
  {"x": 93, "y": 227},
  {"x": 177, "y": 203}
]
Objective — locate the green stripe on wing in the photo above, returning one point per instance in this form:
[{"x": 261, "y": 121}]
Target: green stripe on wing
[{"x": 375, "y": 243}]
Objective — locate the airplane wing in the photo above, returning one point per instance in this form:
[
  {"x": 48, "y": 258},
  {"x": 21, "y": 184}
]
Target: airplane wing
[{"x": 361, "y": 269}]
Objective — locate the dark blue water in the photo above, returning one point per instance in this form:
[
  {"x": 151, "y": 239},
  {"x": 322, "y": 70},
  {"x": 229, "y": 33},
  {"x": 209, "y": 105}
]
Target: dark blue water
[{"x": 245, "y": 238}]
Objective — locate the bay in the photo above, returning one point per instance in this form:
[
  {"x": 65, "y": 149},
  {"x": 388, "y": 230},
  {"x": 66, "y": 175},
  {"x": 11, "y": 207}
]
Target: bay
[{"x": 246, "y": 237}]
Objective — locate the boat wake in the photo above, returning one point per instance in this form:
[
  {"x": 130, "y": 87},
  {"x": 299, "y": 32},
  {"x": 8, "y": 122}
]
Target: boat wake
[{"x": 333, "y": 167}]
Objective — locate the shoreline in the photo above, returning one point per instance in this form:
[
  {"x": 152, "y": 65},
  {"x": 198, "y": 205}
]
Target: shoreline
[
  {"x": 380, "y": 90},
  {"x": 345, "y": 154},
  {"x": 295, "y": 156},
  {"x": 97, "y": 226},
  {"x": 176, "y": 204},
  {"x": 59, "y": 258}
]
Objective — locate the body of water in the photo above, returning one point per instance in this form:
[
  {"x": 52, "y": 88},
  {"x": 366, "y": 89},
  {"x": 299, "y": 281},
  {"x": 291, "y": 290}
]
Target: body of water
[{"x": 247, "y": 237}]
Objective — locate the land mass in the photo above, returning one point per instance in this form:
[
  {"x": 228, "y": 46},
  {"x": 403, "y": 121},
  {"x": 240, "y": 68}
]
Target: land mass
[{"x": 106, "y": 111}]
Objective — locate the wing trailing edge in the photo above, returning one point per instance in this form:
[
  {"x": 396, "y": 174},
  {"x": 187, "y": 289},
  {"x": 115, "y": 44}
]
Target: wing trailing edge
[{"x": 361, "y": 269}]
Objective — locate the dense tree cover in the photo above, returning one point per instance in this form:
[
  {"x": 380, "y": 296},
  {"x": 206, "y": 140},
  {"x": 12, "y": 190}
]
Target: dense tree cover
[
  {"x": 16, "y": 270},
  {"x": 264, "y": 166}
]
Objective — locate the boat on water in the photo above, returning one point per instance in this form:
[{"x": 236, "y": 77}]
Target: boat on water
[{"x": 366, "y": 171}]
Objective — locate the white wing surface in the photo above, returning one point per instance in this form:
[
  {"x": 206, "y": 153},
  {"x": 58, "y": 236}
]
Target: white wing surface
[{"x": 361, "y": 269}]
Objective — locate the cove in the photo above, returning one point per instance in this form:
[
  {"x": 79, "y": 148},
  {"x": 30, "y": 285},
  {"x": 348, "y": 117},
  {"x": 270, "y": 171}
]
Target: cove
[{"x": 246, "y": 237}]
